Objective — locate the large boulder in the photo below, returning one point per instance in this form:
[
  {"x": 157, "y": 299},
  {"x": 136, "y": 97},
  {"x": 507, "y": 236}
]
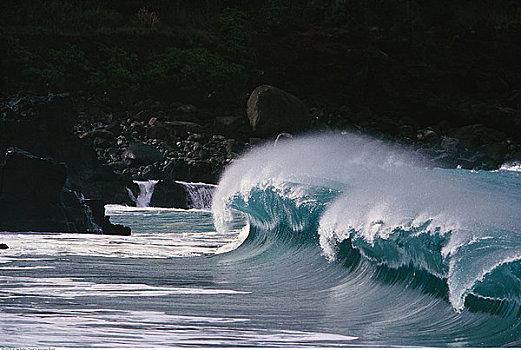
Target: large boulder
[
  {"x": 272, "y": 111},
  {"x": 33, "y": 197},
  {"x": 169, "y": 194},
  {"x": 142, "y": 154}
]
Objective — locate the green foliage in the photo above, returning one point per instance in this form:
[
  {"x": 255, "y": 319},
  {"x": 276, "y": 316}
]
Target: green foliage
[
  {"x": 69, "y": 16},
  {"x": 233, "y": 28},
  {"x": 65, "y": 66},
  {"x": 186, "y": 69},
  {"x": 57, "y": 68},
  {"x": 60, "y": 15},
  {"x": 27, "y": 65},
  {"x": 275, "y": 12},
  {"x": 116, "y": 69},
  {"x": 211, "y": 43}
]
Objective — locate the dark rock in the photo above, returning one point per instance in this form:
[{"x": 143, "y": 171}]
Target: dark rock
[
  {"x": 43, "y": 126},
  {"x": 232, "y": 146},
  {"x": 255, "y": 140},
  {"x": 97, "y": 210},
  {"x": 187, "y": 109},
  {"x": 157, "y": 129},
  {"x": 100, "y": 133},
  {"x": 233, "y": 126},
  {"x": 114, "y": 128},
  {"x": 445, "y": 160},
  {"x": 467, "y": 163},
  {"x": 513, "y": 155},
  {"x": 191, "y": 170},
  {"x": 169, "y": 194},
  {"x": 472, "y": 136},
  {"x": 142, "y": 154},
  {"x": 494, "y": 150},
  {"x": 78, "y": 214},
  {"x": 486, "y": 162},
  {"x": 4, "y": 246},
  {"x": 180, "y": 128},
  {"x": 33, "y": 197},
  {"x": 272, "y": 111},
  {"x": 407, "y": 131},
  {"x": 449, "y": 144},
  {"x": 120, "y": 166},
  {"x": 137, "y": 126},
  {"x": 197, "y": 137},
  {"x": 151, "y": 172},
  {"x": 99, "y": 142},
  {"x": 428, "y": 136}
]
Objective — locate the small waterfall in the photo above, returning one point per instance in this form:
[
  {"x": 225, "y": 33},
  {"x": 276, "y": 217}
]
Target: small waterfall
[
  {"x": 92, "y": 226},
  {"x": 146, "y": 189},
  {"x": 198, "y": 195}
]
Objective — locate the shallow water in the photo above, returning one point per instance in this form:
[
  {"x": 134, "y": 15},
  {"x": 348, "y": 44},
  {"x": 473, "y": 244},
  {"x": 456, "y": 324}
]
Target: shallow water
[{"x": 347, "y": 243}]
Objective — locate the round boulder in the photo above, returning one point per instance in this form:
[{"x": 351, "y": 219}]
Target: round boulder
[
  {"x": 272, "y": 111},
  {"x": 142, "y": 154}
]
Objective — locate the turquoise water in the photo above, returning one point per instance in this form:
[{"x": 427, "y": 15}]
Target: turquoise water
[{"x": 329, "y": 240}]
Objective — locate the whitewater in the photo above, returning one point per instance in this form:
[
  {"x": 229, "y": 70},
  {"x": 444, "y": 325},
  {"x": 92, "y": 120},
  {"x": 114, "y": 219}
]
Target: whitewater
[{"x": 323, "y": 240}]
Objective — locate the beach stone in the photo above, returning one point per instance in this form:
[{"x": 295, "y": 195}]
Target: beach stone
[
  {"x": 142, "y": 154},
  {"x": 182, "y": 128},
  {"x": 449, "y": 144},
  {"x": 99, "y": 133},
  {"x": 272, "y": 111},
  {"x": 428, "y": 135},
  {"x": 236, "y": 126},
  {"x": 157, "y": 131},
  {"x": 4, "y": 246},
  {"x": 472, "y": 136}
]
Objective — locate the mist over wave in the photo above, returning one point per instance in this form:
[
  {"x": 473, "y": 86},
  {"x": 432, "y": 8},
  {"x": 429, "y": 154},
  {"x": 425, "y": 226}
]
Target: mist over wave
[{"x": 351, "y": 194}]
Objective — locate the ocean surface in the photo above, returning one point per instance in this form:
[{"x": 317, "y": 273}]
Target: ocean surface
[{"x": 326, "y": 240}]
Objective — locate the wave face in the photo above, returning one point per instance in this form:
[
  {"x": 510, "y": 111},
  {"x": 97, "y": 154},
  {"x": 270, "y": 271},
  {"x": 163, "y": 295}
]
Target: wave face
[{"x": 452, "y": 235}]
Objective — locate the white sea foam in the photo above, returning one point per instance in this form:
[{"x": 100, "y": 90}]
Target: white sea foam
[
  {"x": 114, "y": 209},
  {"x": 513, "y": 166}
]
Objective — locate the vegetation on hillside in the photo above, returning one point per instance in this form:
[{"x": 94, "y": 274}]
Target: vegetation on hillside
[{"x": 185, "y": 45}]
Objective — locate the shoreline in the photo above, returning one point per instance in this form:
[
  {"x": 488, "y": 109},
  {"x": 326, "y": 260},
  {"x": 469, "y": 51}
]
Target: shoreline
[{"x": 107, "y": 142}]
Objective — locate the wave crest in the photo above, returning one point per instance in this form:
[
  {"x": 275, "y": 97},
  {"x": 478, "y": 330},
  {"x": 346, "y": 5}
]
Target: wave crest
[{"x": 332, "y": 190}]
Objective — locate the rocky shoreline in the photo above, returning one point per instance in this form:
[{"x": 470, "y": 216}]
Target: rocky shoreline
[{"x": 97, "y": 145}]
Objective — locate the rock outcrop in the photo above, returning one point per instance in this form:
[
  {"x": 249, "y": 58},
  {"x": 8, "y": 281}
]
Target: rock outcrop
[
  {"x": 43, "y": 126},
  {"x": 47, "y": 171},
  {"x": 33, "y": 197}
]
